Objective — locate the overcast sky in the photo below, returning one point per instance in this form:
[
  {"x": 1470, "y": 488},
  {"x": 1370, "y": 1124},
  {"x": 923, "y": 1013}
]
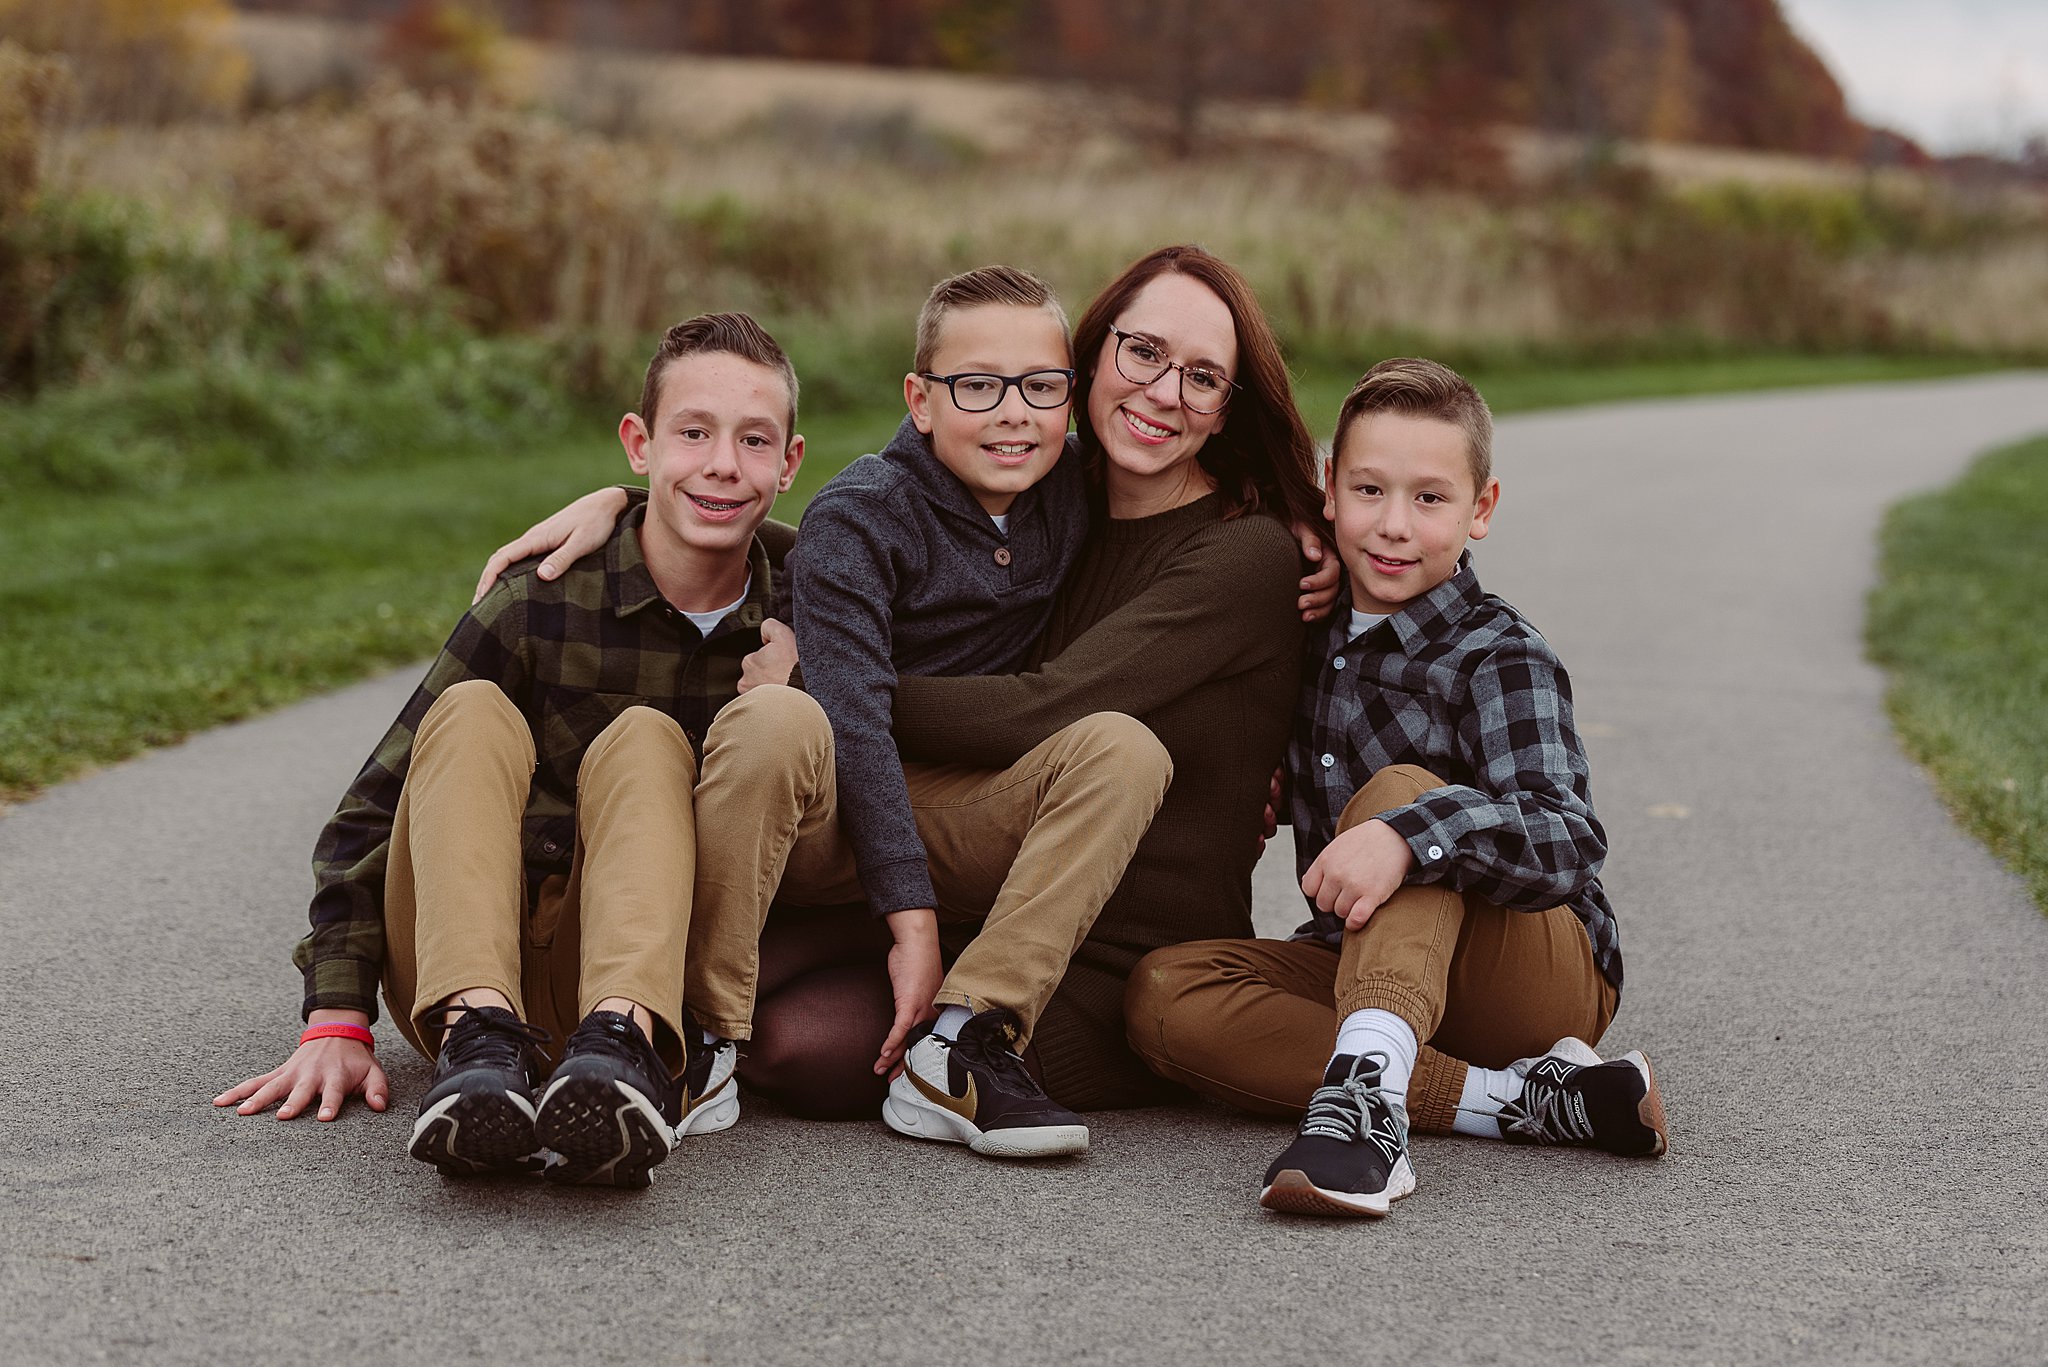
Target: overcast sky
[{"x": 1955, "y": 75}]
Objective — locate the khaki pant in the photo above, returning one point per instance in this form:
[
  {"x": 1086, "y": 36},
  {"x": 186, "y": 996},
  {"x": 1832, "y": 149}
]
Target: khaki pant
[
  {"x": 1253, "y": 1022},
  {"x": 646, "y": 907},
  {"x": 1031, "y": 852}
]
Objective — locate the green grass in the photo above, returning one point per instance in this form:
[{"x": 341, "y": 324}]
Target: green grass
[
  {"x": 1960, "y": 620},
  {"x": 146, "y": 608}
]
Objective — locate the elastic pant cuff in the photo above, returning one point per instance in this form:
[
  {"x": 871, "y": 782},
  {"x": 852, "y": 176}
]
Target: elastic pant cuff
[
  {"x": 1382, "y": 994},
  {"x": 1433, "y": 1094}
]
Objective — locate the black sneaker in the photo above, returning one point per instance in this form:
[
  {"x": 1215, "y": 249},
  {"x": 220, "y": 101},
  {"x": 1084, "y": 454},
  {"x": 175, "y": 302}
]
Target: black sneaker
[
  {"x": 711, "y": 1094},
  {"x": 478, "y": 1116},
  {"x": 1350, "y": 1156},
  {"x": 976, "y": 1091},
  {"x": 1570, "y": 1096},
  {"x": 610, "y": 1111}
]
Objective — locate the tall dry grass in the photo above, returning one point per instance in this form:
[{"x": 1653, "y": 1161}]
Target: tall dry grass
[{"x": 833, "y": 222}]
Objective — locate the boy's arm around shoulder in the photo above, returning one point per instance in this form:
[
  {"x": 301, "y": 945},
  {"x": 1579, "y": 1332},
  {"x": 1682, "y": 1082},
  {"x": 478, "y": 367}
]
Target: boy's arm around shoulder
[
  {"x": 1524, "y": 835},
  {"x": 1222, "y": 602},
  {"x": 844, "y": 577},
  {"x": 342, "y": 954}
]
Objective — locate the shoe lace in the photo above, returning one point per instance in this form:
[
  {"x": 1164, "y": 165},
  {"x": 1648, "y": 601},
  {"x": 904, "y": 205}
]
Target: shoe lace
[
  {"x": 607, "y": 1032},
  {"x": 475, "y": 1037},
  {"x": 1548, "y": 1113},
  {"x": 1342, "y": 1110}
]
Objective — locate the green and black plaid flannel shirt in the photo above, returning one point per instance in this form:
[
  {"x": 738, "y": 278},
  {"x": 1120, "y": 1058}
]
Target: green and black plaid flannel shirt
[{"x": 571, "y": 655}]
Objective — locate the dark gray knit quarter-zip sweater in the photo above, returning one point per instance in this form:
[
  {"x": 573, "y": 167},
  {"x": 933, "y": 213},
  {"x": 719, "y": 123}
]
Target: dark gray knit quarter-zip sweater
[{"x": 899, "y": 571}]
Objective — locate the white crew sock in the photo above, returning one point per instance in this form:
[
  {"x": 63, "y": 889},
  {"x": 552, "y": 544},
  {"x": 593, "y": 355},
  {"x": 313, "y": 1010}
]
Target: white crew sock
[
  {"x": 951, "y": 1018},
  {"x": 1487, "y": 1091},
  {"x": 1373, "y": 1031}
]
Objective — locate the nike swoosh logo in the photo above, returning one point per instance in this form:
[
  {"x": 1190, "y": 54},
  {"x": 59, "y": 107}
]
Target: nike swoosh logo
[{"x": 962, "y": 1106}]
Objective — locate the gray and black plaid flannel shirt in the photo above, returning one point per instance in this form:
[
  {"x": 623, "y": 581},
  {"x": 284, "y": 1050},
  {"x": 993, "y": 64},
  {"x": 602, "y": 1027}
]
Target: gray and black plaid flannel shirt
[
  {"x": 1459, "y": 683},
  {"x": 571, "y": 655}
]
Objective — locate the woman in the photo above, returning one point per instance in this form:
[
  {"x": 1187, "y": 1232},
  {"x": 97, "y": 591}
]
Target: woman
[{"x": 1182, "y": 613}]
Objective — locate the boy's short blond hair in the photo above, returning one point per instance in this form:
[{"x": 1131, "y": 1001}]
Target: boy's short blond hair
[
  {"x": 973, "y": 289},
  {"x": 1419, "y": 388},
  {"x": 732, "y": 334}
]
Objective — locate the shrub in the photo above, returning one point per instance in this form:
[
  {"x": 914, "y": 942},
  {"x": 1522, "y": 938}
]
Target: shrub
[{"x": 138, "y": 60}]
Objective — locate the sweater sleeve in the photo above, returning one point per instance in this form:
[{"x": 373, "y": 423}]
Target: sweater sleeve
[
  {"x": 844, "y": 577},
  {"x": 1526, "y": 836},
  {"x": 1222, "y": 601}
]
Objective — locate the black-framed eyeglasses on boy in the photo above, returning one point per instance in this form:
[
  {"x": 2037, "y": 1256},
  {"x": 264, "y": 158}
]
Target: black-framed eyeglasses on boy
[
  {"x": 1140, "y": 360},
  {"x": 976, "y": 393}
]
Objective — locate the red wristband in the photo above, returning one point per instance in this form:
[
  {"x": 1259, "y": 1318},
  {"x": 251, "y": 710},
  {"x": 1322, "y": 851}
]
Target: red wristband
[{"x": 340, "y": 1030}]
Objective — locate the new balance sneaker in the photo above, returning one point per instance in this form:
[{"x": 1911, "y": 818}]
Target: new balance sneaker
[
  {"x": 477, "y": 1117},
  {"x": 610, "y": 1111},
  {"x": 1570, "y": 1096},
  {"x": 1350, "y": 1156},
  {"x": 711, "y": 1094},
  {"x": 976, "y": 1091}
]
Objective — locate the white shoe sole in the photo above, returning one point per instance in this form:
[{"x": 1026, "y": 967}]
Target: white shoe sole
[
  {"x": 1294, "y": 1193},
  {"x": 720, "y": 1111},
  {"x": 906, "y": 1111}
]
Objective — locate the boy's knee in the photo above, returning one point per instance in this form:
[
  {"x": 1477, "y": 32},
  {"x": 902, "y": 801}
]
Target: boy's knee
[
  {"x": 1156, "y": 995},
  {"x": 474, "y": 708},
  {"x": 773, "y": 716},
  {"x": 641, "y": 735},
  {"x": 1397, "y": 785},
  {"x": 1125, "y": 742}
]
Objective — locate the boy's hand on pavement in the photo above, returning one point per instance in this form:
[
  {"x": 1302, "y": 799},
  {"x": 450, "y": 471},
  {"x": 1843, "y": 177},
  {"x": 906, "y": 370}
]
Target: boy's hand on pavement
[
  {"x": 1319, "y": 585},
  {"x": 774, "y": 661},
  {"x": 915, "y": 974},
  {"x": 1358, "y": 871},
  {"x": 332, "y": 1070},
  {"x": 570, "y": 534}
]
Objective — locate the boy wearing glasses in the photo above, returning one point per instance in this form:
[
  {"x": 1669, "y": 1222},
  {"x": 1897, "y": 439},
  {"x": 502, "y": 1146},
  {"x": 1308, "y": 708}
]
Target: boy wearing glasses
[{"x": 941, "y": 555}]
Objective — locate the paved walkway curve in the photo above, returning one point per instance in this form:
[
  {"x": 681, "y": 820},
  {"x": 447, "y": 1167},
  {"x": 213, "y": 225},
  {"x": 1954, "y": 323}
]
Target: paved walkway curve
[{"x": 1845, "y": 999}]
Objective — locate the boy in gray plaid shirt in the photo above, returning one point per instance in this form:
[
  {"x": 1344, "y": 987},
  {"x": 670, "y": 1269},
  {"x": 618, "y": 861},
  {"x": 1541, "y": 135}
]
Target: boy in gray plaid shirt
[{"x": 1461, "y": 949}]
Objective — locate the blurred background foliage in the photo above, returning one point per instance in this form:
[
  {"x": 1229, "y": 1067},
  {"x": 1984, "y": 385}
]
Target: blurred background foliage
[{"x": 435, "y": 238}]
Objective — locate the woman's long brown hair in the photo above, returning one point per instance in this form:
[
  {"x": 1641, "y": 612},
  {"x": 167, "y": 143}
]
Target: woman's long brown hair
[{"x": 1264, "y": 458}]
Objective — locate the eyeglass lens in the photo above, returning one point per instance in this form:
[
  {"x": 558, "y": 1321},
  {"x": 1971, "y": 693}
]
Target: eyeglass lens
[
  {"x": 1142, "y": 362},
  {"x": 979, "y": 393}
]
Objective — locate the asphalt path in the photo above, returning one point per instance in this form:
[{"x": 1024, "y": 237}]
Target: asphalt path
[{"x": 1844, "y": 997}]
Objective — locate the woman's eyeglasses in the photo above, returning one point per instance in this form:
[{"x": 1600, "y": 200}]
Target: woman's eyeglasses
[{"x": 1139, "y": 360}]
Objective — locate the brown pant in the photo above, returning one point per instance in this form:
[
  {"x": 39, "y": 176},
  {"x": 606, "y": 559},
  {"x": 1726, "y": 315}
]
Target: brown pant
[
  {"x": 645, "y": 908},
  {"x": 1252, "y": 1022},
  {"x": 1031, "y": 852}
]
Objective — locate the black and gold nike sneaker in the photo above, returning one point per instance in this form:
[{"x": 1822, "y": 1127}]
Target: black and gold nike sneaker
[{"x": 976, "y": 1091}]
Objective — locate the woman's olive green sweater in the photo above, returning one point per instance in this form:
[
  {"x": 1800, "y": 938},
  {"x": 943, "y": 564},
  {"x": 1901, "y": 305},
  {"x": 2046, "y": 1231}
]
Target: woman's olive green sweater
[{"x": 1186, "y": 621}]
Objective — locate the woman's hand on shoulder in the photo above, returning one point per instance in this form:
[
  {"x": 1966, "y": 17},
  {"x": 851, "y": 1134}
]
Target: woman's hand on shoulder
[
  {"x": 564, "y": 537},
  {"x": 331, "y": 1070},
  {"x": 1325, "y": 573}
]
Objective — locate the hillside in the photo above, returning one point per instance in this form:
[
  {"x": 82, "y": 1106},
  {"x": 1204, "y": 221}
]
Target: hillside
[{"x": 1728, "y": 73}]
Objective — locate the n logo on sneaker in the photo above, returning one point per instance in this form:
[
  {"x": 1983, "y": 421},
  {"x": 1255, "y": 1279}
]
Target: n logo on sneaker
[
  {"x": 962, "y": 1106},
  {"x": 1553, "y": 1070},
  {"x": 1385, "y": 1139}
]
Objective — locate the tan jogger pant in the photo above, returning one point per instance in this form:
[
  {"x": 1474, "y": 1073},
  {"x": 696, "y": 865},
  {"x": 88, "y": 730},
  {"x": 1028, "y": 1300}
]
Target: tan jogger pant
[
  {"x": 647, "y": 905},
  {"x": 1031, "y": 852},
  {"x": 1252, "y": 1022}
]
